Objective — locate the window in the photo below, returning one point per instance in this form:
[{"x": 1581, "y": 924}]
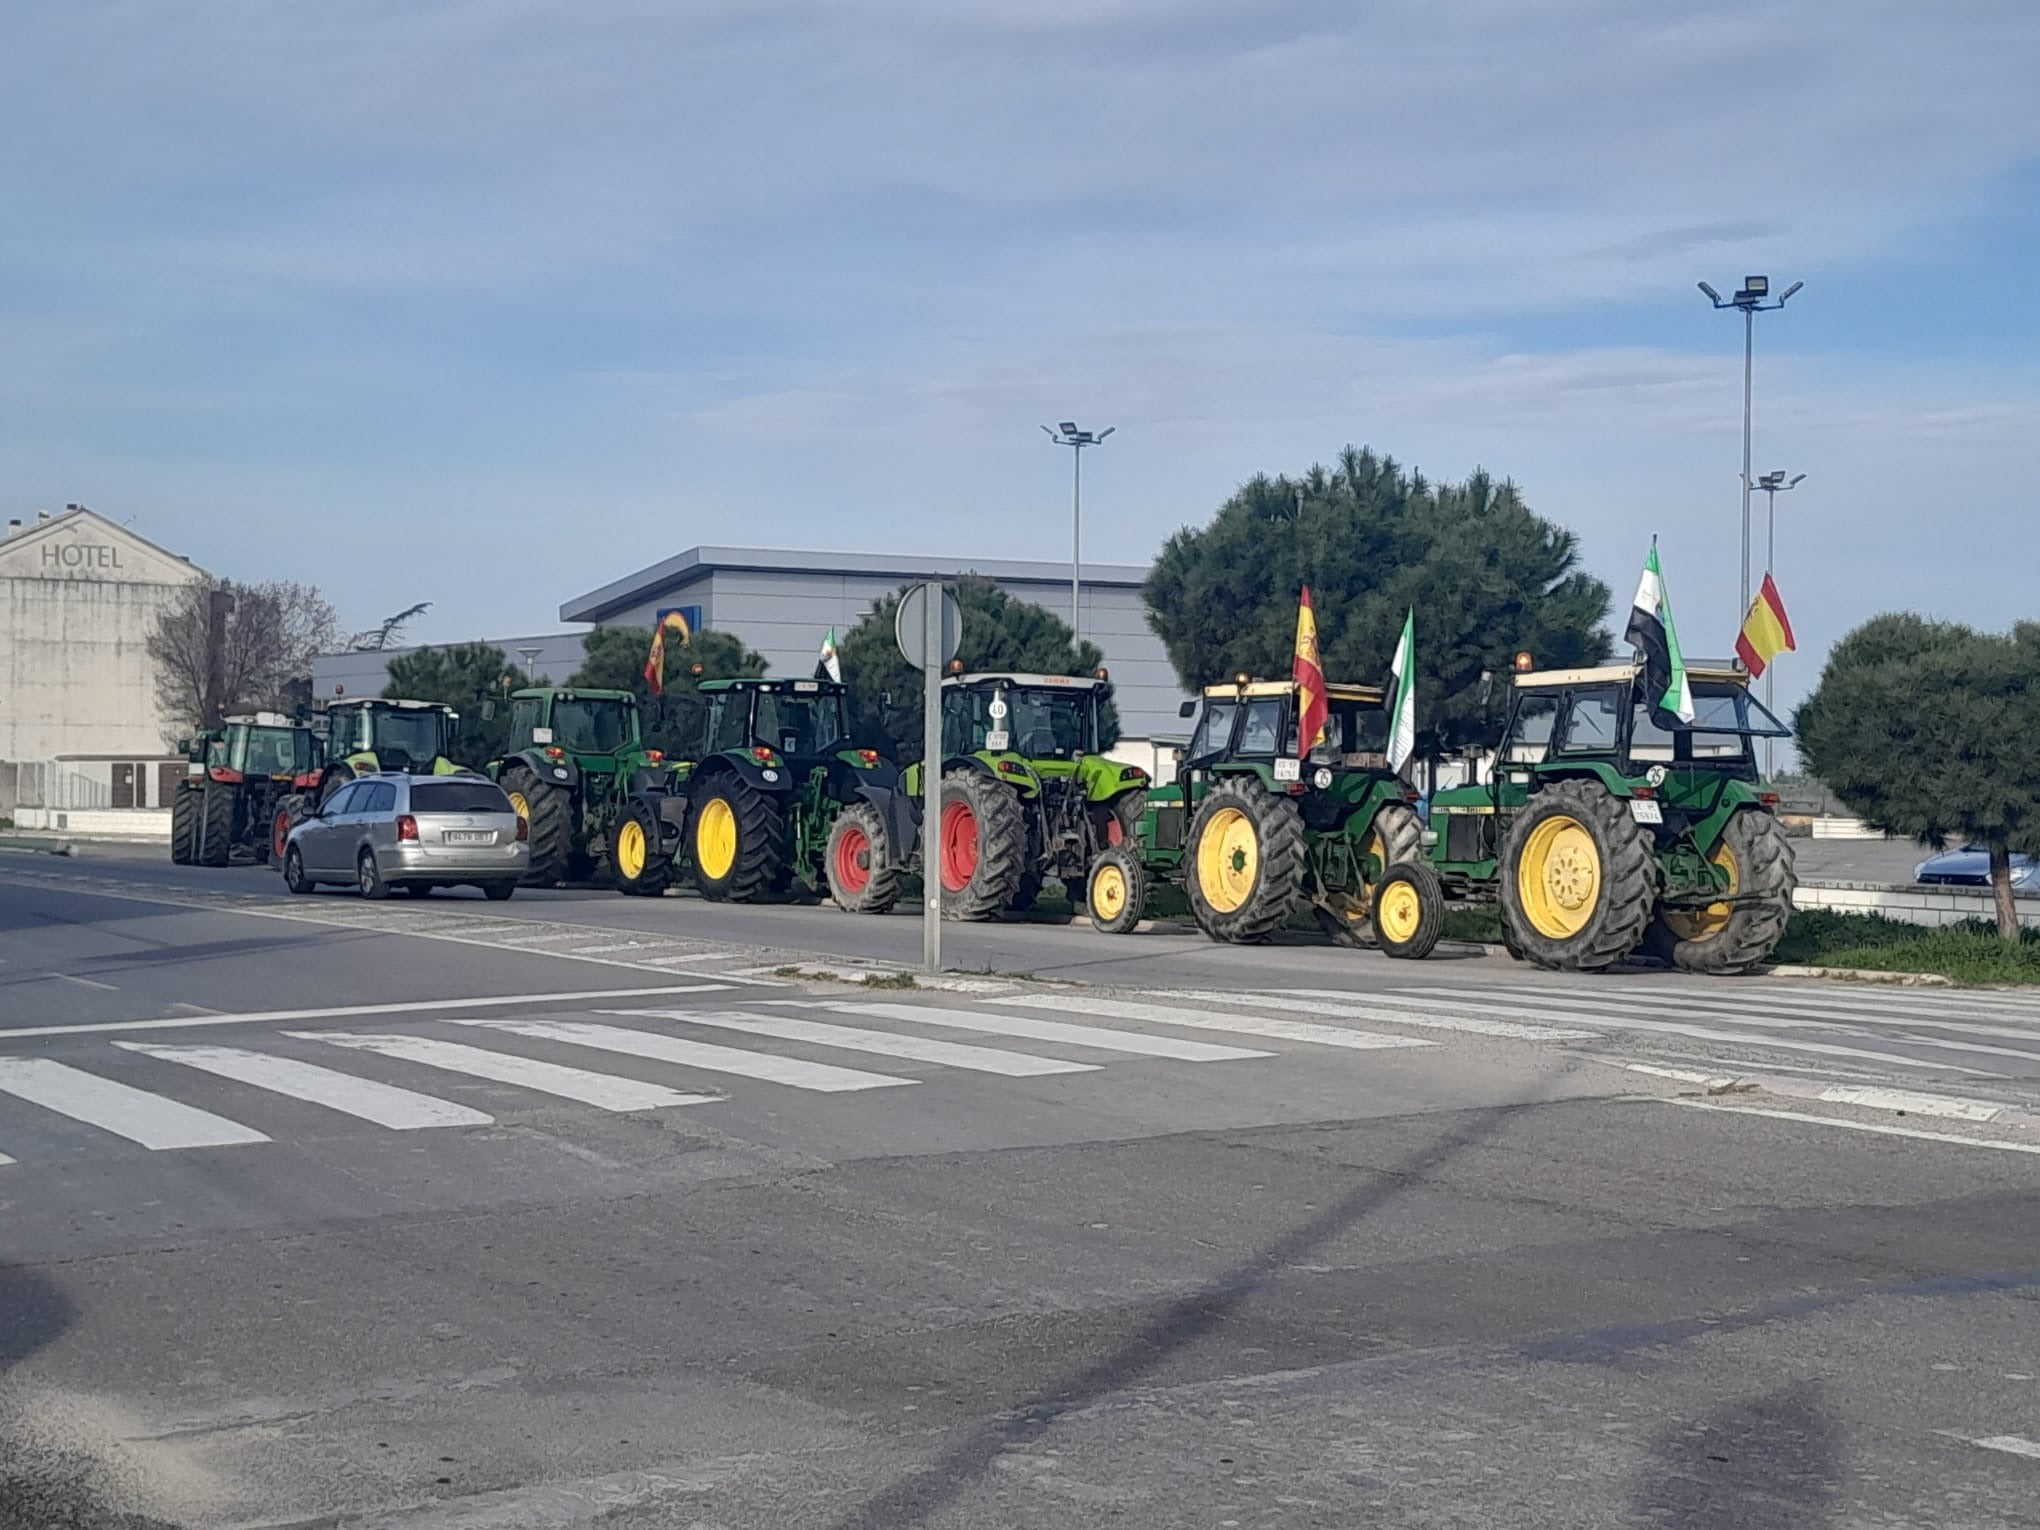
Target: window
[
  {"x": 458, "y": 796},
  {"x": 1648, "y": 741},
  {"x": 591, "y": 725},
  {"x": 1262, "y": 734},
  {"x": 380, "y": 797},
  {"x": 1530, "y": 736},
  {"x": 1591, "y": 722},
  {"x": 966, "y": 719},
  {"x": 525, "y": 715},
  {"x": 1356, "y": 733},
  {"x": 729, "y": 721},
  {"x": 342, "y": 802},
  {"x": 1214, "y": 729},
  {"x": 406, "y": 738},
  {"x": 796, "y": 723},
  {"x": 1049, "y": 724}
]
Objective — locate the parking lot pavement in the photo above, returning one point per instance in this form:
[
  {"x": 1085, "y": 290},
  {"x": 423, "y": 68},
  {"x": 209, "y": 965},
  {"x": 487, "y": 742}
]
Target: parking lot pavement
[{"x": 419, "y": 1216}]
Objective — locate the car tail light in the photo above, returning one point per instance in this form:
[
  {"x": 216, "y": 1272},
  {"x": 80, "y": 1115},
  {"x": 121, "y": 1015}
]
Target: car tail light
[
  {"x": 407, "y": 826},
  {"x": 555, "y": 752},
  {"x": 523, "y": 828},
  {"x": 655, "y": 755},
  {"x": 868, "y": 756}
]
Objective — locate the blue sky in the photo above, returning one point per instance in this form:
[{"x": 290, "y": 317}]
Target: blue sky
[{"x": 488, "y": 302}]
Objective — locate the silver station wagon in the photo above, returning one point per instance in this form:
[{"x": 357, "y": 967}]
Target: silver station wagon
[{"x": 412, "y": 832}]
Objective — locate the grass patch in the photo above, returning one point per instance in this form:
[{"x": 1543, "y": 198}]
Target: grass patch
[
  {"x": 890, "y": 980},
  {"x": 1477, "y": 922},
  {"x": 1971, "y": 952}
]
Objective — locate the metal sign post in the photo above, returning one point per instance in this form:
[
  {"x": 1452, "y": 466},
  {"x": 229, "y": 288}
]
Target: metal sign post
[{"x": 929, "y": 630}]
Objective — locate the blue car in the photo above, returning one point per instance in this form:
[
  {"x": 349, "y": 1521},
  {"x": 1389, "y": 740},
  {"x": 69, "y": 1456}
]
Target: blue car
[{"x": 1970, "y": 867}]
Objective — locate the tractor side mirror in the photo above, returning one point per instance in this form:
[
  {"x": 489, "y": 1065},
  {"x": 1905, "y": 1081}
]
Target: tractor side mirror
[
  {"x": 1487, "y": 687},
  {"x": 885, "y": 699},
  {"x": 1187, "y": 709},
  {"x": 489, "y": 710}
]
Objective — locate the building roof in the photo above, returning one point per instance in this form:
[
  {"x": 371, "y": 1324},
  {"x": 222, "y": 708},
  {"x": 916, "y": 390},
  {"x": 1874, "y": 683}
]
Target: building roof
[
  {"x": 1602, "y": 674},
  {"x": 20, "y": 533},
  {"x": 697, "y": 562}
]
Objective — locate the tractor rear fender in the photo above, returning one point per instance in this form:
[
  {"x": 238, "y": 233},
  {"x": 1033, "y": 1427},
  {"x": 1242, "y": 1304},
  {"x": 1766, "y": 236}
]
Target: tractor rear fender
[
  {"x": 563, "y": 772},
  {"x": 902, "y": 817},
  {"x": 775, "y": 779},
  {"x": 1008, "y": 770}
]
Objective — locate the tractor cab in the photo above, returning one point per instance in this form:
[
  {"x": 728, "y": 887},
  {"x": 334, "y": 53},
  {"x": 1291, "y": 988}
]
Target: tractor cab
[
  {"x": 1564, "y": 719},
  {"x": 371, "y": 734},
  {"x": 802, "y": 722},
  {"x": 1256, "y": 720},
  {"x": 237, "y": 776},
  {"x": 587, "y": 725},
  {"x": 1052, "y": 721},
  {"x": 262, "y": 746}
]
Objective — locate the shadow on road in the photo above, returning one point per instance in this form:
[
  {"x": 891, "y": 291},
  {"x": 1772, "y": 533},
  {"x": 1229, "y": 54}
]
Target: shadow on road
[
  {"x": 1181, "y": 1324},
  {"x": 1763, "y": 1463},
  {"x": 33, "y": 1312}
]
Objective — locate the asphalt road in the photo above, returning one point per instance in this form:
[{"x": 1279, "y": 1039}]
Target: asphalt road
[{"x": 576, "y": 1211}]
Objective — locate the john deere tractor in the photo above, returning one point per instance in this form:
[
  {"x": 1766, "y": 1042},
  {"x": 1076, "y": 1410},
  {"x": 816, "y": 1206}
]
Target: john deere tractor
[
  {"x": 1254, "y": 833},
  {"x": 776, "y": 796},
  {"x": 1026, "y": 793},
  {"x": 235, "y": 776},
  {"x": 577, "y": 756},
  {"x": 1610, "y": 827},
  {"x": 367, "y": 734}
]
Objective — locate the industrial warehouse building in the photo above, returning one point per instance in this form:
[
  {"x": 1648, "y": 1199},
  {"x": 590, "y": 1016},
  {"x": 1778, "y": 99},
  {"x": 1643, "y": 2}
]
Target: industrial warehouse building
[
  {"x": 79, "y": 726},
  {"x": 783, "y": 603}
]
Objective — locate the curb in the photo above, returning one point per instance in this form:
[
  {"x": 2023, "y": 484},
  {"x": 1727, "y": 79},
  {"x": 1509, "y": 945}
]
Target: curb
[
  {"x": 1862, "y": 975},
  {"x": 32, "y": 846},
  {"x": 1902, "y": 1102}
]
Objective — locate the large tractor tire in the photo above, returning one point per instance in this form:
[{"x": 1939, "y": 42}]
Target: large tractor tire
[
  {"x": 548, "y": 814},
  {"x": 1245, "y": 862},
  {"x": 1409, "y": 911},
  {"x": 980, "y": 846},
  {"x": 1118, "y": 821},
  {"x": 738, "y": 835},
  {"x": 215, "y": 824},
  {"x": 184, "y": 826},
  {"x": 1397, "y": 837},
  {"x": 1579, "y": 878},
  {"x": 1726, "y": 938},
  {"x": 290, "y": 812},
  {"x": 638, "y": 867},
  {"x": 862, "y": 870}
]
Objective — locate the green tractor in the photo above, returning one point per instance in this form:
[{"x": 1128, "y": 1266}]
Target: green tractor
[
  {"x": 1610, "y": 828},
  {"x": 577, "y": 758},
  {"x": 1253, "y": 833},
  {"x": 367, "y": 734},
  {"x": 1026, "y": 793},
  {"x": 776, "y": 795},
  {"x": 235, "y": 777}
]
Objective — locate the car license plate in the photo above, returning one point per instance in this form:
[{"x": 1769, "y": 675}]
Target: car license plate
[
  {"x": 470, "y": 836},
  {"x": 1645, "y": 811}
]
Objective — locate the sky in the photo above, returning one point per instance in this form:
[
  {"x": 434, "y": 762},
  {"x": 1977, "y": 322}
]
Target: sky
[{"x": 490, "y": 302}]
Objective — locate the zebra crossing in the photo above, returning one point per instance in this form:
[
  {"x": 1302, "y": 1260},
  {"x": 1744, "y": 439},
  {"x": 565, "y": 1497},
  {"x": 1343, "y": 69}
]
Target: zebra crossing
[{"x": 635, "y": 1056}]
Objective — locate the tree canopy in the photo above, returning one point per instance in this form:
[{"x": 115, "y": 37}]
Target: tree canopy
[
  {"x": 613, "y": 659},
  {"x": 1488, "y": 577},
  {"x": 469, "y": 677},
  {"x": 1932, "y": 730},
  {"x": 999, "y": 633},
  {"x": 224, "y": 647}
]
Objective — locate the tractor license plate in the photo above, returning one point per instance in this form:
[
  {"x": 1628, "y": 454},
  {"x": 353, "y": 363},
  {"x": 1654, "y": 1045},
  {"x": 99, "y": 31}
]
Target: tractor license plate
[
  {"x": 1644, "y": 811},
  {"x": 470, "y": 836}
]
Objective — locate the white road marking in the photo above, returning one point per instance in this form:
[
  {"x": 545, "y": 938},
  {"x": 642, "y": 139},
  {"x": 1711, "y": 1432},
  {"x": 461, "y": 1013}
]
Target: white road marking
[
  {"x": 824, "y": 1077},
  {"x": 400, "y": 1110},
  {"x": 1858, "y": 1126},
  {"x": 605, "y": 1091},
  {"x": 1915, "y": 1039},
  {"x": 621, "y": 945},
  {"x": 1911, "y": 1102},
  {"x": 348, "y": 1011},
  {"x": 1736, "y": 1011},
  {"x": 1097, "y": 1037},
  {"x": 4, "y": 1160},
  {"x": 191, "y": 1009},
  {"x": 2011, "y": 1445},
  {"x": 1325, "y": 1001},
  {"x": 85, "y": 982},
  {"x": 949, "y": 1054},
  {"x": 1684, "y": 1075},
  {"x": 156, "y": 1123},
  {"x": 1247, "y": 1025}
]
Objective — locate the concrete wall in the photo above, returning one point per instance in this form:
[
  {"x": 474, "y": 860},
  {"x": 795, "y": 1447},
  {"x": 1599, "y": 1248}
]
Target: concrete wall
[
  {"x": 79, "y": 598},
  {"x": 98, "y": 823},
  {"x": 1913, "y": 905}
]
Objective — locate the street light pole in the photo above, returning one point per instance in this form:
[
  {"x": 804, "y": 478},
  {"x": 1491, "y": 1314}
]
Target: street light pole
[
  {"x": 1750, "y": 299},
  {"x": 1067, "y": 434},
  {"x": 1773, "y": 484}
]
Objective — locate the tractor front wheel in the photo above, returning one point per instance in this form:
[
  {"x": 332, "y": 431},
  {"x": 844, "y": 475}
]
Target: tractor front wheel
[
  {"x": 863, "y": 875},
  {"x": 979, "y": 846},
  {"x": 1245, "y": 858},
  {"x": 1726, "y": 938},
  {"x": 1117, "y": 895},
  {"x": 637, "y": 865},
  {"x": 1578, "y": 878},
  {"x": 184, "y": 826},
  {"x": 548, "y": 814},
  {"x": 739, "y": 841},
  {"x": 1409, "y": 911},
  {"x": 289, "y": 813},
  {"x": 216, "y": 824}
]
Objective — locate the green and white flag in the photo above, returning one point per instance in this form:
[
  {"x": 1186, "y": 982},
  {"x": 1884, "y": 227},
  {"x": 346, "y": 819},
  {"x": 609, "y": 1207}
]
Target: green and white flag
[
  {"x": 829, "y": 666},
  {"x": 1651, "y": 630},
  {"x": 1402, "y": 706}
]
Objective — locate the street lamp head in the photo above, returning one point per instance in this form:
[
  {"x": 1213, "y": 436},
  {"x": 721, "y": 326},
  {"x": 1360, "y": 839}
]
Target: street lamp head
[
  {"x": 1797, "y": 480},
  {"x": 1788, "y": 292},
  {"x": 1068, "y": 427},
  {"x": 1713, "y": 296},
  {"x": 1048, "y": 431},
  {"x": 1106, "y": 431},
  {"x": 1770, "y": 480},
  {"x": 1757, "y": 286}
]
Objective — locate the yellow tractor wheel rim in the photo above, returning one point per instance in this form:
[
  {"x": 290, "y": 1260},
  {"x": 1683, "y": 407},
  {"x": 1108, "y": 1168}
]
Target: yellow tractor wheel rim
[
  {"x": 522, "y": 807},
  {"x": 1558, "y": 877},
  {"x": 1228, "y": 859},
  {"x": 1706, "y": 923},
  {"x": 1379, "y": 851},
  {"x": 715, "y": 839},
  {"x": 1399, "y": 913},
  {"x": 630, "y": 850},
  {"x": 1108, "y": 892}
]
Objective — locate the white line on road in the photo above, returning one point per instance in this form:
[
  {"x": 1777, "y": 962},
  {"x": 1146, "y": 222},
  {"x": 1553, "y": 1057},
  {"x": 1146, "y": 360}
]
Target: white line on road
[
  {"x": 348, "y": 1011},
  {"x": 400, "y": 1110},
  {"x": 2011, "y": 1445},
  {"x": 605, "y": 1091},
  {"x": 950, "y": 1054},
  {"x": 1247, "y": 1025},
  {"x": 1324, "y": 1001},
  {"x": 1950, "y": 1106},
  {"x": 85, "y": 982},
  {"x": 1737, "y": 1009},
  {"x": 1857, "y": 1126},
  {"x": 156, "y": 1123},
  {"x": 1097, "y": 1037},
  {"x": 824, "y": 1077},
  {"x": 4, "y": 1160}
]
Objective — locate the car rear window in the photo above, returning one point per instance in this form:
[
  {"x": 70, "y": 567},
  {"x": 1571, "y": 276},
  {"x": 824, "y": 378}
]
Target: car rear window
[{"x": 458, "y": 797}]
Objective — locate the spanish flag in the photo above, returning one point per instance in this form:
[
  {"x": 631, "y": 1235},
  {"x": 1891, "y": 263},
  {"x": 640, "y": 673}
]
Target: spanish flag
[
  {"x": 674, "y": 622},
  {"x": 1309, "y": 674},
  {"x": 1766, "y": 631}
]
